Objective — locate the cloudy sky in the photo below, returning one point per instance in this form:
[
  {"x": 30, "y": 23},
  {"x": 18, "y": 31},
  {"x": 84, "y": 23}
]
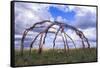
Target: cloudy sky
[{"x": 81, "y": 17}]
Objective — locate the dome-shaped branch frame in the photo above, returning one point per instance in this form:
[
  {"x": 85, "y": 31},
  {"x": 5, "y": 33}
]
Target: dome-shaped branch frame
[{"x": 64, "y": 35}]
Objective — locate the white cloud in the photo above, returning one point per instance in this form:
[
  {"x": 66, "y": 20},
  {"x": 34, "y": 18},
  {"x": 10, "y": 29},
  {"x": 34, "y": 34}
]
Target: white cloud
[
  {"x": 85, "y": 16},
  {"x": 85, "y": 20},
  {"x": 26, "y": 14},
  {"x": 82, "y": 9},
  {"x": 61, "y": 19},
  {"x": 29, "y": 35},
  {"x": 52, "y": 30},
  {"x": 18, "y": 36},
  {"x": 90, "y": 33},
  {"x": 52, "y": 19},
  {"x": 73, "y": 35}
]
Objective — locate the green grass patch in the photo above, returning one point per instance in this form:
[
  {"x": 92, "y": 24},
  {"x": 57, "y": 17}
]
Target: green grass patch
[{"x": 56, "y": 56}]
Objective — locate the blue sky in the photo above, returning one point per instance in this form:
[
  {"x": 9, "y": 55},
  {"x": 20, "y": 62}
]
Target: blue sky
[
  {"x": 81, "y": 17},
  {"x": 56, "y": 12}
]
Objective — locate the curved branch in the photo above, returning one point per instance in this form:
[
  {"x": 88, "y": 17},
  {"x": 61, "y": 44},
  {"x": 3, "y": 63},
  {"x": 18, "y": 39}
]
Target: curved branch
[
  {"x": 81, "y": 35},
  {"x": 42, "y": 22},
  {"x": 66, "y": 41},
  {"x": 33, "y": 42},
  {"x": 78, "y": 32},
  {"x": 27, "y": 30},
  {"x": 55, "y": 37},
  {"x": 22, "y": 40},
  {"x": 40, "y": 44},
  {"x": 70, "y": 39},
  {"x": 67, "y": 26},
  {"x": 46, "y": 31},
  {"x": 86, "y": 39}
]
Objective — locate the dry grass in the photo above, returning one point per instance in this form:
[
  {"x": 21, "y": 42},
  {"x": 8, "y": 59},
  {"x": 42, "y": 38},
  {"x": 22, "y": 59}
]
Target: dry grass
[{"x": 49, "y": 56}]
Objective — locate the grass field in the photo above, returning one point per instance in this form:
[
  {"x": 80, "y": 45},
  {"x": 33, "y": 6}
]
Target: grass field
[{"x": 55, "y": 57}]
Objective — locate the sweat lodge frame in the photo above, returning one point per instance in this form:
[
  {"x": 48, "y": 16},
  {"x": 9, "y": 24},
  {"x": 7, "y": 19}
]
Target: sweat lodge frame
[{"x": 57, "y": 23}]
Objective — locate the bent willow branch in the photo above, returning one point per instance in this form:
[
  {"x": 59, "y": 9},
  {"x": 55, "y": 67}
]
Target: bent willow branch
[{"x": 43, "y": 35}]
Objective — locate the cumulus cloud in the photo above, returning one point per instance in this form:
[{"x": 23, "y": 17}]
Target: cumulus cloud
[
  {"x": 27, "y": 14},
  {"x": 61, "y": 19},
  {"x": 85, "y": 17},
  {"x": 90, "y": 33}
]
